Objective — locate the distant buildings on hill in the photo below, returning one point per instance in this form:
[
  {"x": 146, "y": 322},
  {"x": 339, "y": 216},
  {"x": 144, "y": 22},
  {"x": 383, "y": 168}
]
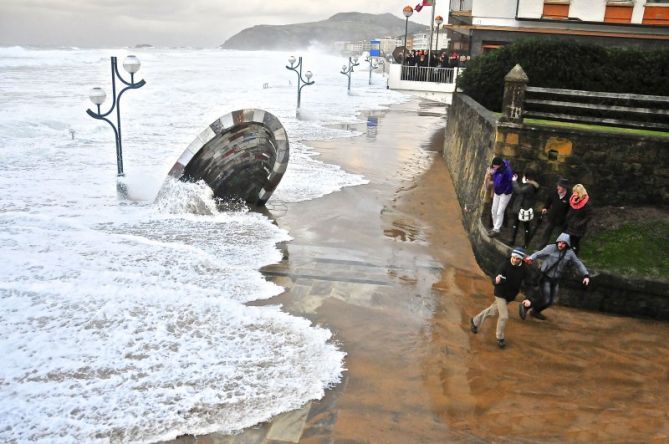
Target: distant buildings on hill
[{"x": 418, "y": 41}]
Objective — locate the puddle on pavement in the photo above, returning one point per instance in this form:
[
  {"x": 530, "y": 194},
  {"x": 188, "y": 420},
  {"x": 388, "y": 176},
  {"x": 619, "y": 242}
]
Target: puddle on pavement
[{"x": 405, "y": 232}]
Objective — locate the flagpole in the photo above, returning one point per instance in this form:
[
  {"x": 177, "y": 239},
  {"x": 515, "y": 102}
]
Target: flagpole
[{"x": 429, "y": 52}]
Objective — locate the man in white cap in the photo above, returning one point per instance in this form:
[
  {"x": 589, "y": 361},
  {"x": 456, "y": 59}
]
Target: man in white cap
[{"x": 507, "y": 281}]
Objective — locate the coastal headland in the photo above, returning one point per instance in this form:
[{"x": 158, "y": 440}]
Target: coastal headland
[{"x": 389, "y": 268}]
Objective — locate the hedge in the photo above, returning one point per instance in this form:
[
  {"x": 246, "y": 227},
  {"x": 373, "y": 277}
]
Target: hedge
[{"x": 570, "y": 65}]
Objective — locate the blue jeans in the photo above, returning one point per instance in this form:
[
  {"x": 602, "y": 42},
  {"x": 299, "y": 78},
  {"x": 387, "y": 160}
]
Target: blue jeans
[{"x": 549, "y": 288}]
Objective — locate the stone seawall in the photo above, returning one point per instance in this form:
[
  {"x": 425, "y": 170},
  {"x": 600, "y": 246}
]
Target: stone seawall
[
  {"x": 613, "y": 166},
  {"x": 616, "y": 169}
]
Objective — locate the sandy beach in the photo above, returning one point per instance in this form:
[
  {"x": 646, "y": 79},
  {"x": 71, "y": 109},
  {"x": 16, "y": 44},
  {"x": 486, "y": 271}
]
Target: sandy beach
[{"x": 388, "y": 268}]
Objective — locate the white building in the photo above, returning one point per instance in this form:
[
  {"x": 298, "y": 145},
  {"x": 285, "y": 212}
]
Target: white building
[
  {"x": 354, "y": 47},
  {"x": 491, "y": 23},
  {"x": 421, "y": 41},
  {"x": 388, "y": 44}
]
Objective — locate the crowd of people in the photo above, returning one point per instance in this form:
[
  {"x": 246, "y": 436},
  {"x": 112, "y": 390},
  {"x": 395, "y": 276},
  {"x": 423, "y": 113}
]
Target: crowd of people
[
  {"x": 566, "y": 214},
  {"x": 438, "y": 59}
]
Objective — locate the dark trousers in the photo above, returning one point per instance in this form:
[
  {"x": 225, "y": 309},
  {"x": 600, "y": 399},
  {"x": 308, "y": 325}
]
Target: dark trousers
[
  {"x": 547, "y": 234},
  {"x": 548, "y": 289},
  {"x": 528, "y": 233},
  {"x": 575, "y": 242}
]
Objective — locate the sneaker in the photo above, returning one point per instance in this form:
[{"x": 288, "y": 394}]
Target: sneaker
[
  {"x": 473, "y": 326},
  {"x": 522, "y": 311},
  {"x": 501, "y": 343},
  {"x": 538, "y": 315},
  {"x": 493, "y": 233}
]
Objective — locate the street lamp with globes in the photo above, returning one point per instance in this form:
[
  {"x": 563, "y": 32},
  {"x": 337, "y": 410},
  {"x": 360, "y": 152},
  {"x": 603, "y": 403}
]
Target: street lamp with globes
[
  {"x": 352, "y": 61},
  {"x": 408, "y": 12},
  {"x": 373, "y": 64},
  {"x": 98, "y": 96},
  {"x": 301, "y": 83}
]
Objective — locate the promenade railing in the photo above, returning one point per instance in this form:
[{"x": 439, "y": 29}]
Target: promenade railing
[
  {"x": 429, "y": 74},
  {"x": 603, "y": 108}
]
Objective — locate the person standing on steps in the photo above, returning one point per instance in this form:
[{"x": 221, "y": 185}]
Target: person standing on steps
[
  {"x": 579, "y": 215},
  {"x": 555, "y": 258},
  {"x": 499, "y": 175},
  {"x": 510, "y": 275},
  {"x": 554, "y": 213},
  {"x": 523, "y": 205}
]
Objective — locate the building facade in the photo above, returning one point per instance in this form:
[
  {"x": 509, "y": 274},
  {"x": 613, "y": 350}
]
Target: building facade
[
  {"x": 476, "y": 26},
  {"x": 421, "y": 41}
]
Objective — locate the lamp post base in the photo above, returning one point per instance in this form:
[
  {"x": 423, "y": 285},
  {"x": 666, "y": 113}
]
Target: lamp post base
[{"x": 121, "y": 188}]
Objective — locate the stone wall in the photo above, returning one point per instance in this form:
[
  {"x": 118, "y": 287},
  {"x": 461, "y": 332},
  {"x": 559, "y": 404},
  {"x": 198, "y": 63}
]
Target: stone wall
[
  {"x": 620, "y": 169},
  {"x": 616, "y": 169},
  {"x": 470, "y": 138}
]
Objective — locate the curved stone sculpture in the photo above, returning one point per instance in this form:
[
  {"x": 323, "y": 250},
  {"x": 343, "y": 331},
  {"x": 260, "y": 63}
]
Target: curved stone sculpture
[{"x": 242, "y": 154}]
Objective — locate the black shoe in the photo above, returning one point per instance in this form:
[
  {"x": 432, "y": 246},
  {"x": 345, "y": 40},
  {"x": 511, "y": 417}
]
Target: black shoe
[
  {"x": 522, "y": 311},
  {"x": 493, "y": 233},
  {"x": 473, "y": 326},
  {"x": 538, "y": 315},
  {"x": 501, "y": 343}
]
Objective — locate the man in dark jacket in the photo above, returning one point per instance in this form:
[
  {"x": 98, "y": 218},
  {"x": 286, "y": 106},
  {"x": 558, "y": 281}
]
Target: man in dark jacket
[
  {"x": 507, "y": 281},
  {"x": 555, "y": 211}
]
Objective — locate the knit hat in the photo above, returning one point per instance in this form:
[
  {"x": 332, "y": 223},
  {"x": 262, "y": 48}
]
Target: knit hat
[
  {"x": 564, "y": 183},
  {"x": 496, "y": 161},
  {"x": 518, "y": 252}
]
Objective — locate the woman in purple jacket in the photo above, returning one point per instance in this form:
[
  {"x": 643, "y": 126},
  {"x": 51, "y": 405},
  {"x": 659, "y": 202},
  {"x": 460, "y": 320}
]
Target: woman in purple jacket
[{"x": 499, "y": 176}]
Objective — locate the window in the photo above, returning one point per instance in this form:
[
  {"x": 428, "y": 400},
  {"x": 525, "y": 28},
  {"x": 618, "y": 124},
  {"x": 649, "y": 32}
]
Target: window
[
  {"x": 656, "y": 12},
  {"x": 618, "y": 11},
  {"x": 556, "y": 10}
]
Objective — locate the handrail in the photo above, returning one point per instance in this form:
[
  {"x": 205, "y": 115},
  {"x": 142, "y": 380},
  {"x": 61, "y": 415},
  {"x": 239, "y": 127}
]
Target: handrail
[{"x": 598, "y": 94}]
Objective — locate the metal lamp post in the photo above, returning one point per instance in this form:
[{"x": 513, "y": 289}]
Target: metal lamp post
[
  {"x": 438, "y": 20},
  {"x": 408, "y": 12},
  {"x": 348, "y": 70},
  {"x": 373, "y": 64},
  {"x": 301, "y": 83},
  {"x": 97, "y": 95}
]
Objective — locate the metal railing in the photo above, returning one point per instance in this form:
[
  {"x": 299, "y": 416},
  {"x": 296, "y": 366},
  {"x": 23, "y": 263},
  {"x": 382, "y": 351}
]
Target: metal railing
[
  {"x": 603, "y": 108},
  {"x": 428, "y": 74}
]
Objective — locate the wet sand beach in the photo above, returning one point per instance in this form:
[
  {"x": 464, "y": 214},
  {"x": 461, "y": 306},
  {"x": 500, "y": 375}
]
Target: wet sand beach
[{"x": 388, "y": 268}]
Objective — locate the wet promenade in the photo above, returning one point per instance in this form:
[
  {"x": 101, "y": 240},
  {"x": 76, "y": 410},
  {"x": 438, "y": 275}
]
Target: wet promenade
[{"x": 388, "y": 268}]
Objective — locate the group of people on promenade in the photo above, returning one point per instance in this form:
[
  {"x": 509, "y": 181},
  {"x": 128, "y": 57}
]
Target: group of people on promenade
[
  {"x": 570, "y": 214},
  {"x": 438, "y": 59}
]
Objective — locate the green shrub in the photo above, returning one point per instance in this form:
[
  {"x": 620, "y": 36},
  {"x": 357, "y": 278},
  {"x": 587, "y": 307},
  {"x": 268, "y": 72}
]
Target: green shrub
[{"x": 570, "y": 65}]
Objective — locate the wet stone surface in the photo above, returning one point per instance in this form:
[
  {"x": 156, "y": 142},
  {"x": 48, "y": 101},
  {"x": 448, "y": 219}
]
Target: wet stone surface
[{"x": 400, "y": 304}]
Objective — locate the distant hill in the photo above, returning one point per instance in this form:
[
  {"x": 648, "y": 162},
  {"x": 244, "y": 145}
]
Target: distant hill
[{"x": 345, "y": 26}]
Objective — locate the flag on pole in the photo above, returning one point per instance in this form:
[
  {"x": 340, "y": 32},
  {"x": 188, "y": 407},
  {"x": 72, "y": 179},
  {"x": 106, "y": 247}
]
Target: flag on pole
[{"x": 420, "y": 5}]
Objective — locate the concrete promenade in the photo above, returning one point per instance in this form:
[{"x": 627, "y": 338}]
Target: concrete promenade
[{"x": 388, "y": 268}]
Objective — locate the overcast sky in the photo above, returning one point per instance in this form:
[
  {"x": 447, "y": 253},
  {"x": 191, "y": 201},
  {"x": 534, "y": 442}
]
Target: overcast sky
[{"x": 199, "y": 23}]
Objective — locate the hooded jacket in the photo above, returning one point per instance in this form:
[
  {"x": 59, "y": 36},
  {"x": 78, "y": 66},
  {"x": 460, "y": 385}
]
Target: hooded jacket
[
  {"x": 501, "y": 179},
  {"x": 551, "y": 254}
]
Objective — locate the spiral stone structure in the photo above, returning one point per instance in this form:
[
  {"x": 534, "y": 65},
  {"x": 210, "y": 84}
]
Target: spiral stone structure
[{"x": 242, "y": 154}]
